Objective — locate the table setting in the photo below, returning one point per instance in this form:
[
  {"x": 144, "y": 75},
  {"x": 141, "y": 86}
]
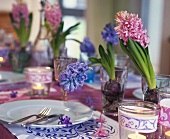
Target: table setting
[{"x": 96, "y": 96}]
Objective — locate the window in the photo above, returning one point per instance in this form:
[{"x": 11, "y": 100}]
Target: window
[{"x": 73, "y": 12}]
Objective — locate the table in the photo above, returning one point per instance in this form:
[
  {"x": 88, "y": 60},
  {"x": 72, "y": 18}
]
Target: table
[{"x": 81, "y": 95}]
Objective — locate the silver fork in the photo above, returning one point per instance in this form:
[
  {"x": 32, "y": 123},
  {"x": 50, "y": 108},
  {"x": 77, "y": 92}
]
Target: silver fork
[
  {"x": 45, "y": 116},
  {"x": 41, "y": 114}
]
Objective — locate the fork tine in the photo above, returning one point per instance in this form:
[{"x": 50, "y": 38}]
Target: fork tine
[
  {"x": 46, "y": 111},
  {"x": 43, "y": 109}
]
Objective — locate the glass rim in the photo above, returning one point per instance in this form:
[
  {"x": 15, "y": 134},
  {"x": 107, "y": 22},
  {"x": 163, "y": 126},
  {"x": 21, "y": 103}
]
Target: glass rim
[
  {"x": 152, "y": 108},
  {"x": 38, "y": 69},
  {"x": 64, "y": 58},
  {"x": 160, "y": 75},
  {"x": 118, "y": 66},
  {"x": 164, "y": 93}
]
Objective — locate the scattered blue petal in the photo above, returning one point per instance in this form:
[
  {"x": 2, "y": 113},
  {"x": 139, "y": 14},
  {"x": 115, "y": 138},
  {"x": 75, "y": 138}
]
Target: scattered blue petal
[
  {"x": 65, "y": 121},
  {"x": 13, "y": 94},
  {"x": 89, "y": 101}
]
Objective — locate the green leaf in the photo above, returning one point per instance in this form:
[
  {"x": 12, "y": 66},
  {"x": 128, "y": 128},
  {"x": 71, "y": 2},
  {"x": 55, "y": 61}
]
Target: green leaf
[
  {"x": 58, "y": 40},
  {"x": 30, "y": 26},
  {"x": 70, "y": 29},
  {"x": 105, "y": 62},
  {"x": 126, "y": 50},
  {"x": 151, "y": 70},
  {"x": 138, "y": 57},
  {"x": 103, "y": 55},
  {"x": 94, "y": 60},
  {"x": 111, "y": 59},
  {"x": 142, "y": 53},
  {"x": 12, "y": 22},
  {"x": 74, "y": 40},
  {"x": 23, "y": 33}
]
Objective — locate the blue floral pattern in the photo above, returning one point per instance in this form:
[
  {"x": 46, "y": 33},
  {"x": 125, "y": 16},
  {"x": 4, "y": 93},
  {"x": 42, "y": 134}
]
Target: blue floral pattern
[
  {"x": 84, "y": 130},
  {"x": 145, "y": 125}
]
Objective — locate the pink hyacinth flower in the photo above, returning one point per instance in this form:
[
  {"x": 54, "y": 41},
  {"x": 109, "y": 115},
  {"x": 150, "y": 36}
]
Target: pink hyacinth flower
[
  {"x": 53, "y": 15},
  {"x": 131, "y": 26},
  {"x": 19, "y": 11}
]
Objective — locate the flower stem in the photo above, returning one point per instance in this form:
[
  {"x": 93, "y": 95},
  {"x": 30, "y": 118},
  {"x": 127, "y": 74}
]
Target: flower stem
[{"x": 151, "y": 83}]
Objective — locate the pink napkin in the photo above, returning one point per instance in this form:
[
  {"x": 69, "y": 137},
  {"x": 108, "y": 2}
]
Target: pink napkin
[{"x": 5, "y": 133}]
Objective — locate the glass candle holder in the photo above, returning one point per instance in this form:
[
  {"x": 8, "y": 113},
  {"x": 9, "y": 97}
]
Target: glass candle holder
[
  {"x": 137, "y": 119},
  {"x": 4, "y": 51},
  {"x": 40, "y": 79},
  {"x": 164, "y": 117}
]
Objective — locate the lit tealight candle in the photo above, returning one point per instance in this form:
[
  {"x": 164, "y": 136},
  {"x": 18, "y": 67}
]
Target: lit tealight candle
[
  {"x": 136, "y": 136},
  {"x": 167, "y": 135},
  {"x": 2, "y": 60},
  {"x": 38, "y": 89}
]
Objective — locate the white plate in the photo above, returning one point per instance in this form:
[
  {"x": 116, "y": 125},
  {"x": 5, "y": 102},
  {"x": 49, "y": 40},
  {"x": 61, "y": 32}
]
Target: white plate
[
  {"x": 138, "y": 93},
  {"x": 7, "y": 77},
  {"x": 77, "y": 112}
]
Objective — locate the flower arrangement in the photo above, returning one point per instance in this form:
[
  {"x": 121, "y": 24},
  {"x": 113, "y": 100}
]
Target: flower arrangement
[
  {"x": 112, "y": 82},
  {"x": 73, "y": 77},
  {"x": 134, "y": 42},
  {"x": 55, "y": 26},
  {"x": 107, "y": 58},
  {"x": 21, "y": 21}
]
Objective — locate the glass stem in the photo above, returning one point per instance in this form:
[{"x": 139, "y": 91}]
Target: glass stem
[{"x": 64, "y": 95}]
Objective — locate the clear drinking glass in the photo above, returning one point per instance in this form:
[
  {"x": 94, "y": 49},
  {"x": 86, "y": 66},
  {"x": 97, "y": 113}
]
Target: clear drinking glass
[
  {"x": 137, "y": 119},
  {"x": 162, "y": 81},
  {"x": 112, "y": 90},
  {"x": 164, "y": 117},
  {"x": 121, "y": 60},
  {"x": 60, "y": 64}
]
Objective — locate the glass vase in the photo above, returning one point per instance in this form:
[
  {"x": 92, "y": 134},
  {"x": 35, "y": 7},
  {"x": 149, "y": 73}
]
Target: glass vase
[
  {"x": 137, "y": 120},
  {"x": 162, "y": 81},
  {"x": 113, "y": 90},
  {"x": 42, "y": 54},
  {"x": 60, "y": 64},
  {"x": 19, "y": 60}
]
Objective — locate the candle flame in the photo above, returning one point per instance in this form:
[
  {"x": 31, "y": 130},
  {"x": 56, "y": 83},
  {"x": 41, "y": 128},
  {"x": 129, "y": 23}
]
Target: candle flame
[
  {"x": 167, "y": 133},
  {"x": 1, "y": 59}
]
